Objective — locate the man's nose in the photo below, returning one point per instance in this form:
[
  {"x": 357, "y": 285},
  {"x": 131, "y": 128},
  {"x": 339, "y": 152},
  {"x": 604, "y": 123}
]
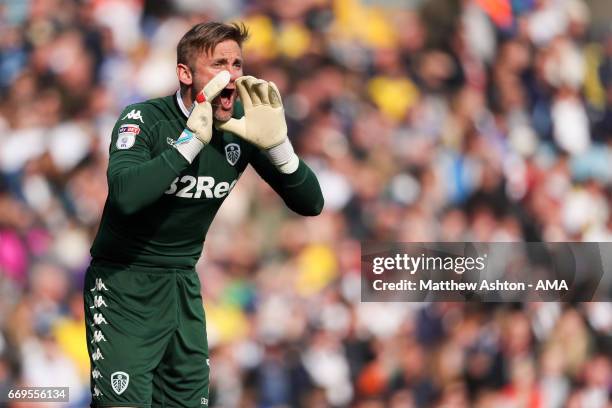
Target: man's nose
[{"x": 235, "y": 74}]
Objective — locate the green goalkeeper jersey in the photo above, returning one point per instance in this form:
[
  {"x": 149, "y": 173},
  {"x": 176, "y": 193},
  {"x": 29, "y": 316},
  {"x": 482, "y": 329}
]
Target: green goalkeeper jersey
[{"x": 159, "y": 207}]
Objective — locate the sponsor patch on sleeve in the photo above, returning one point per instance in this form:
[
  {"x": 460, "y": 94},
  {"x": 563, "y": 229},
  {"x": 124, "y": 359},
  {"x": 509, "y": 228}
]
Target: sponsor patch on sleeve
[{"x": 127, "y": 136}]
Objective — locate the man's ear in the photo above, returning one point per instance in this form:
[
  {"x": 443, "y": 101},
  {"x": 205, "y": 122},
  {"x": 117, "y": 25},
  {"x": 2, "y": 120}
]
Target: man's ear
[{"x": 183, "y": 72}]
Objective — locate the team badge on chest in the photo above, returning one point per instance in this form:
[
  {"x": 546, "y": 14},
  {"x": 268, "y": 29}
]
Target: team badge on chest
[{"x": 232, "y": 153}]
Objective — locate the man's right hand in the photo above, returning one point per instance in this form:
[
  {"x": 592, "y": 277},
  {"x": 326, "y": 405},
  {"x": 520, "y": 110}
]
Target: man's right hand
[{"x": 199, "y": 128}]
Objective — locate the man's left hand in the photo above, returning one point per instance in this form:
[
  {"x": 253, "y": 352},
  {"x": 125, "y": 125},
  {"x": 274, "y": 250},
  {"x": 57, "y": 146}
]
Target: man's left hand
[{"x": 264, "y": 122}]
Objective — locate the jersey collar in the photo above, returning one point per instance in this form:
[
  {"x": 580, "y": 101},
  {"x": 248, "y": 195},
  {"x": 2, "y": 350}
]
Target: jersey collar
[{"x": 181, "y": 105}]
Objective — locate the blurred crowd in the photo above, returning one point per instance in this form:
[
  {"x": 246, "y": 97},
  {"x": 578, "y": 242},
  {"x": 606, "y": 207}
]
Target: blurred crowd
[{"x": 425, "y": 120}]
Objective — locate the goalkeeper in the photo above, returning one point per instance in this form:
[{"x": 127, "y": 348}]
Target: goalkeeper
[{"x": 173, "y": 161}]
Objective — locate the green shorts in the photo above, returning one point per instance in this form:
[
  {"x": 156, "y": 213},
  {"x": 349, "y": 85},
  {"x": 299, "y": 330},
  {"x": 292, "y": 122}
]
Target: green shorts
[{"x": 146, "y": 337}]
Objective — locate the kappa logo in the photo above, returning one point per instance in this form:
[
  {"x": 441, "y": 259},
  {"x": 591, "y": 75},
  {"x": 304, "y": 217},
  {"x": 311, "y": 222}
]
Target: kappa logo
[
  {"x": 98, "y": 302},
  {"x": 99, "y": 319},
  {"x": 96, "y": 392},
  {"x": 119, "y": 381},
  {"x": 134, "y": 114},
  {"x": 204, "y": 401},
  {"x": 95, "y": 374},
  {"x": 232, "y": 153},
  {"x": 97, "y": 355},
  {"x": 98, "y": 337},
  {"x": 99, "y": 286}
]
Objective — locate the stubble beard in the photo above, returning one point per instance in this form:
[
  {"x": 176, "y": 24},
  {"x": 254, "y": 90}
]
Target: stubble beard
[{"x": 221, "y": 114}]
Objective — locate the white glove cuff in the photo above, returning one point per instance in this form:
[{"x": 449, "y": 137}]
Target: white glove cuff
[
  {"x": 283, "y": 157},
  {"x": 188, "y": 145}
]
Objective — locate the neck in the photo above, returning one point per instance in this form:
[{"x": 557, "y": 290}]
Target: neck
[
  {"x": 186, "y": 96},
  {"x": 181, "y": 100}
]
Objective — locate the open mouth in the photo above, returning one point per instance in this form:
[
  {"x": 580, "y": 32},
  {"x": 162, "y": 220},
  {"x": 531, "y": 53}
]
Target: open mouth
[{"x": 225, "y": 98}]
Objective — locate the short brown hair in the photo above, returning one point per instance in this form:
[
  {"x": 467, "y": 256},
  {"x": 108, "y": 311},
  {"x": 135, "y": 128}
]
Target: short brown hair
[{"x": 205, "y": 37}]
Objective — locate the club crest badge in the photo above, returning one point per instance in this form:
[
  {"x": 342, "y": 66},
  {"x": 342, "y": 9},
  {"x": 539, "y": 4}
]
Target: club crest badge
[
  {"x": 232, "y": 153},
  {"x": 119, "y": 381}
]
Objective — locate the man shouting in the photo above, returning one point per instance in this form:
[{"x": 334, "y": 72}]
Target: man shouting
[{"x": 173, "y": 161}]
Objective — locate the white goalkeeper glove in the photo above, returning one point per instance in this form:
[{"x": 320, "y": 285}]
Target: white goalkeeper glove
[
  {"x": 199, "y": 128},
  {"x": 263, "y": 123}
]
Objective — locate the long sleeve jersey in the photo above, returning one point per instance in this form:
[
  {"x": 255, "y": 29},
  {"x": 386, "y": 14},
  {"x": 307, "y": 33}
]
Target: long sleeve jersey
[{"x": 159, "y": 206}]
